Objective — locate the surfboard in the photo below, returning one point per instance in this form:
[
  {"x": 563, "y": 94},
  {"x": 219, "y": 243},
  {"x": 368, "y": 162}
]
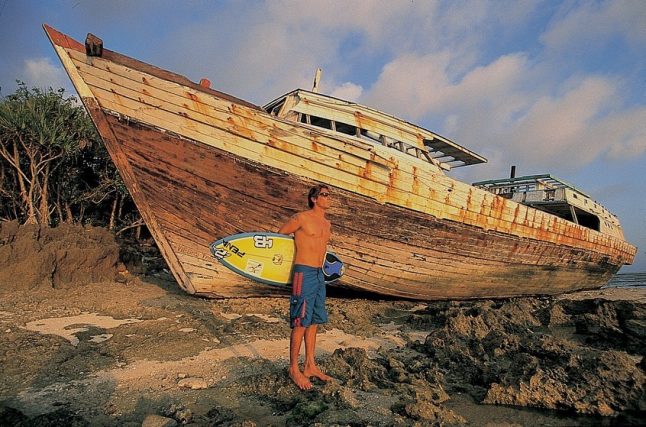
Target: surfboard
[{"x": 267, "y": 257}]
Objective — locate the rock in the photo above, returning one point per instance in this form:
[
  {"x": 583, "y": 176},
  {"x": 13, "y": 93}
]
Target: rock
[
  {"x": 184, "y": 416},
  {"x": 356, "y": 369},
  {"x": 505, "y": 352},
  {"x": 341, "y": 396},
  {"x": 11, "y": 416},
  {"x": 305, "y": 412},
  {"x": 60, "y": 417},
  {"x": 636, "y": 328},
  {"x": 158, "y": 421},
  {"x": 431, "y": 393},
  {"x": 558, "y": 316},
  {"x": 429, "y": 412},
  {"x": 194, "y": 383},
  {"x": 219, "y": 416}
]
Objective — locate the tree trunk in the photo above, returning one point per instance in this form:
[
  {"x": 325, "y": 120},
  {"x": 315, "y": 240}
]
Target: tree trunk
[
  {"x": 59, "y": 210},
  {"x": 32, "y": 218},
  {"x": 121, "y": 199},
  {"x": 24, "y": 194},
  {"x": 44, "y": 195},
  {"x": 69, "y": 218},
  {"x": 113, "y": 212}
]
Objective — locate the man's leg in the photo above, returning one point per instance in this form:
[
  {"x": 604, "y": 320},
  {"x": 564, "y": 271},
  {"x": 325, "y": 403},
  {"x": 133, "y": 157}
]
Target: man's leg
[
  {"x": 310, "y": 369},
  {"x": 294, "y": 350}
]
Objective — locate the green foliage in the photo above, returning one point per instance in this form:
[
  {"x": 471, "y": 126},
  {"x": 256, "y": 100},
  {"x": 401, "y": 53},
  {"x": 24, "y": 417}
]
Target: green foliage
[{"x": 53, "y": 167}]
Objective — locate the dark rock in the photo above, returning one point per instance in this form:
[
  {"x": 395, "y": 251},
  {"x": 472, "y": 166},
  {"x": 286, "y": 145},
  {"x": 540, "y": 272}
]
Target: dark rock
[
  {"x": 305, "y": 412},
  {"x": 353, "y": 367},
  {"x": 11, "y": 417}
]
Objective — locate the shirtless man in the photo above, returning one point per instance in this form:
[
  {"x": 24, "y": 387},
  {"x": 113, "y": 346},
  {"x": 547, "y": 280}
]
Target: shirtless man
[{"x": 307, "y": 309}]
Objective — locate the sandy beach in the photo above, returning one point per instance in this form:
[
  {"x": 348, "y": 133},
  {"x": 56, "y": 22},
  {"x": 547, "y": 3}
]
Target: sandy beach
[{"x": 137, "y": 350}]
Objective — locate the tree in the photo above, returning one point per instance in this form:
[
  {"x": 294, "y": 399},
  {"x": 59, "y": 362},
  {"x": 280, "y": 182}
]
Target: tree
[
  {"x": 53, "y": 167},
  {"x": 39, "y": 131}
]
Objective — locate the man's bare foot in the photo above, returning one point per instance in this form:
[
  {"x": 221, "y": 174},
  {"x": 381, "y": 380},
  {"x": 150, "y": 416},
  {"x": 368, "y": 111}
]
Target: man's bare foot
[
  {"x": 299, "y": 379},
  {"x": 314, "y": 371}
]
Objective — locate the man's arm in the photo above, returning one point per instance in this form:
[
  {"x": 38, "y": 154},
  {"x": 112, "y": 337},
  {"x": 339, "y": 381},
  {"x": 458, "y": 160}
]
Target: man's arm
[{"x": 292, "y": 225}]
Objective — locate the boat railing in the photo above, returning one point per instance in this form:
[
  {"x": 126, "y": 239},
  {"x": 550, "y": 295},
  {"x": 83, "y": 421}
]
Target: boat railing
[
  {"x": 528, "y": 183},
  {"x": 538, "y": 196}
]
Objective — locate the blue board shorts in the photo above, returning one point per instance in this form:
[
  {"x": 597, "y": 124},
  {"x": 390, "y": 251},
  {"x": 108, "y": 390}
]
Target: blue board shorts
[{"x": 307, "y": 303}]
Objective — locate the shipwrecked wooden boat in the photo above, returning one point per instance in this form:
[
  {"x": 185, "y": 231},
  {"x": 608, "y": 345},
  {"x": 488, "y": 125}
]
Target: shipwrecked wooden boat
[{"x": 201, "y": 165}]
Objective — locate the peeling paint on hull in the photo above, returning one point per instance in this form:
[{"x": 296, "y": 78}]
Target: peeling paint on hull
[{"x": 202, "y": 165}]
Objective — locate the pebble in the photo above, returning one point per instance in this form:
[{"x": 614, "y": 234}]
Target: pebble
[
  {"x": 158, "y": 421},
  {"x": 185, "y": 416},
  {"x": 194, "y": 383}
]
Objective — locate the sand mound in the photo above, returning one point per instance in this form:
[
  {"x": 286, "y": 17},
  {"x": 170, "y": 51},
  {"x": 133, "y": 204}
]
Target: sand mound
[{"x": 33, "y": 256}]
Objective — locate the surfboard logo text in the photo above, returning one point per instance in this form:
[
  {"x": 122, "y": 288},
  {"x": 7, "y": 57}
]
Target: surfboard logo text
[
  {"x": 221, "y": 253},
  {"x": 263, "y": 242},
  {"x": 230, "y": 247}
]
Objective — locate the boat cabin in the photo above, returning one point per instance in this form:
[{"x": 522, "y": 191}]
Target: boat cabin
[
  {"x": 552, "y": 195},
  {"x": 351, "y": 121},
  {"x": 348, "y": 119}
]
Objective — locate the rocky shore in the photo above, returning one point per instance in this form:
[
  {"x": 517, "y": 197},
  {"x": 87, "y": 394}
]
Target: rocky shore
[{"x": 137, "y": 351}]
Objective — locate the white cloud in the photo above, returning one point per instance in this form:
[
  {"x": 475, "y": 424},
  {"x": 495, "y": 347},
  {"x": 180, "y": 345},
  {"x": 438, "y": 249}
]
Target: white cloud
[
  {"x": 624, "y": 133},
  {"x": 594, "y": 22},
  {"x": 41, "y": 73},
  {"x": 416, "y": 87},
  {"x": 348, "y": 91},
  {"x": 380, "y": 23},
  {"x": 556, "y": 130},
  {"x": 275, "y": 46},
  {"x": 411, "y": 85},
  {"x": 498, "y": 109}
]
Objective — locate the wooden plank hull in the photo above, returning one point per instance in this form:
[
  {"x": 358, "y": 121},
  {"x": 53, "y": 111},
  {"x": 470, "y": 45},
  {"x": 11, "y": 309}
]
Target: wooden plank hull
[{"x": 201, "y": 165}]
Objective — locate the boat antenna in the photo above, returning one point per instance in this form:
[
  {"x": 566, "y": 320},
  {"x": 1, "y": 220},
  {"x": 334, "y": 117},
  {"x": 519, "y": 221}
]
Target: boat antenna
[{"x": 317, "y": 79}]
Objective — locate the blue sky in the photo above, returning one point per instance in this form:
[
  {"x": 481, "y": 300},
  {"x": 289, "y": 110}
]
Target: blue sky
[{"x": 551, "y": 87}]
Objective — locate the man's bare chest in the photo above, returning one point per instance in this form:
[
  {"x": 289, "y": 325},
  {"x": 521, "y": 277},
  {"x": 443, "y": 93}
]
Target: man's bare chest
[{"x": 316, "y": 228}]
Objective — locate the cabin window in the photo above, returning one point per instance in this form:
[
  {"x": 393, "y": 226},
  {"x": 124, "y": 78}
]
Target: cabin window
[
  {"x": 321, "y": 122},
  {"x": 371, "y": 136},
  {"x": 305, "y": 118},
  {"x": 346, "y": 128},
  {"x": 275, "y": 110},
  {"x": 587, "y": 219}
]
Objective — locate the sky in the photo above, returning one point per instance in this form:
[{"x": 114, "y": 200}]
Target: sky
[{"x": 550, "y": 87}]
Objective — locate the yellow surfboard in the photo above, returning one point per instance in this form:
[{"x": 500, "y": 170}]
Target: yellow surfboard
[{"x": 267, "y": 257}]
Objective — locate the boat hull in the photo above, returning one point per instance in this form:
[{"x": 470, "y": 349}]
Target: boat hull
[
  {"x": 198, "y": 194},
  {"x": 202, "y": 165}
]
